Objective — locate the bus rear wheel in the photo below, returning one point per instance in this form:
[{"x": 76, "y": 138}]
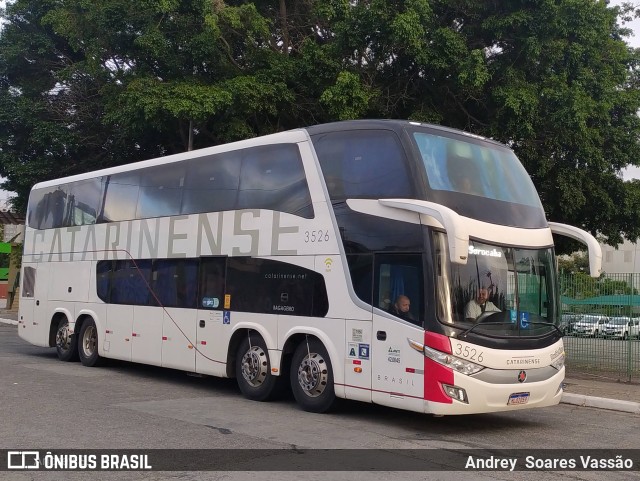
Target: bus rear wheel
[
  {"x": 253, "y": 370},
  {"x": 88, "y": 344},
  {"x": 312, "y": 377},
  {"x": 66, "y": 342}
]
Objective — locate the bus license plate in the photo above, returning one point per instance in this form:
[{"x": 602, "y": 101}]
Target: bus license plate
[{"x": 519, "y": 398}]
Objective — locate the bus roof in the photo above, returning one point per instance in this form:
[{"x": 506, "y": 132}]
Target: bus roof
[
  {"x": 390, "y": 124},
  {"x": 293, "y": 136}
]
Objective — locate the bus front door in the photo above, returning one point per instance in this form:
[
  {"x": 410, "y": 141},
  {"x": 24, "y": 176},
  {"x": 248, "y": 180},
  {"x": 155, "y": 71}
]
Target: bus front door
[{"x": 398, "y": 370}]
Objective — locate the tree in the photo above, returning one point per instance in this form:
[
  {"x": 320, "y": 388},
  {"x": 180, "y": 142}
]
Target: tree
[
  {"x": 574, "y": 263},
  {"x": 91, "y": 84}
]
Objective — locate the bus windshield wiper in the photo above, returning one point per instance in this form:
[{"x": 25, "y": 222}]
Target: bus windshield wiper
[
  {"x": 548, "y": 324},
  {"x": 464, "y": 334}
]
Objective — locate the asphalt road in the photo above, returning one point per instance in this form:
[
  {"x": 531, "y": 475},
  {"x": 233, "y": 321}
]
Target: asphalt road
[{"x": 47, "y": 404}]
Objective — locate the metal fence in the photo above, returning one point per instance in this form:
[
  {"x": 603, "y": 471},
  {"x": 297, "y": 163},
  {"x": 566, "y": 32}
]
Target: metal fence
[{"x": 601, "y": 321}]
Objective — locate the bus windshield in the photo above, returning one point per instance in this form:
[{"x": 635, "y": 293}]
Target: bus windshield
[
  {"x": 500, "y": 292},
  {"x": 479, "y": 179}
]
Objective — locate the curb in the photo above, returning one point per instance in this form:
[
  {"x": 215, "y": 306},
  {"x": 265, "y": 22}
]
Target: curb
[
  {"x": 9, "y": 321},
  {"x": 601, "y": 403}
]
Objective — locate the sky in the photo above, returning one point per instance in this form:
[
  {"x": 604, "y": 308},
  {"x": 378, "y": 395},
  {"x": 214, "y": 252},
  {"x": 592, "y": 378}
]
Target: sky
[{"x": 634, "y": 40}]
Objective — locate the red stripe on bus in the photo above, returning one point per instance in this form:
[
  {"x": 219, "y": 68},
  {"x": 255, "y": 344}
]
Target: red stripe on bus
[
  {"x": 437, "y": 341},
  {"x": 435, "y": 373}
]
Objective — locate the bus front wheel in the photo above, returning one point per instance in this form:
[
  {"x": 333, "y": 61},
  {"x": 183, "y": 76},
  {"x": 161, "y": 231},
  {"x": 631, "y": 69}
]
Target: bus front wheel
[
  {"x": 66, "y": 342},
  {"x": 88, "y": 344},
  {"x": 253, "y": 370},
  {"x": 312, "y": 377}
]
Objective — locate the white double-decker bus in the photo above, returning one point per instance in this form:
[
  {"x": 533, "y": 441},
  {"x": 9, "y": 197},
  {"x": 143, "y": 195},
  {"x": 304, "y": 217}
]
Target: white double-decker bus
[{"x": 283, "y": 259}]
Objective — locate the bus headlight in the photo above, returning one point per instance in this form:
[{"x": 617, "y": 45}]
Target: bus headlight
[
  {"x": 453, "y": 362},
  {"x": 558, "y": 363}
]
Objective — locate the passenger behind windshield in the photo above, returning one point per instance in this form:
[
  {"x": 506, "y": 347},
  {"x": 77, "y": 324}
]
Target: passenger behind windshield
[{"x": 464, "y": 175}]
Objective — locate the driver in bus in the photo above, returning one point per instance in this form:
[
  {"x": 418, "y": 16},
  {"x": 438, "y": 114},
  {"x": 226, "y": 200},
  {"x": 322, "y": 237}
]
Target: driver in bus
[{"x": 478, "y": 306}]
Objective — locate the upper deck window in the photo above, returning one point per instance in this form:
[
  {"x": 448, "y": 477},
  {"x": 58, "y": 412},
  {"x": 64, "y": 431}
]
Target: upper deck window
[
  {"x": 363, "y": 164},
  {"x": 268, "y": 177},
  {"x": 480, "y": 169}
]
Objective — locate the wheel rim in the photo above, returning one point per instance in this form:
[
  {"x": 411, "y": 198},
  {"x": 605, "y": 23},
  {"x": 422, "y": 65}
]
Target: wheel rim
[
  {"x": 254, "y": 366},
  {"x": 313, "y": 374},
  {"x": 63, "y": 339},
  {"x": 89, "y": 341}
]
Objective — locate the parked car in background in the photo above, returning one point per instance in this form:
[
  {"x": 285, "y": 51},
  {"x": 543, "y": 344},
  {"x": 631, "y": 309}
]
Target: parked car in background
[
  {"x": 591, "y": 325},
  {"x": 622, "y": 327},
  {"x": 567, "y": 322}
]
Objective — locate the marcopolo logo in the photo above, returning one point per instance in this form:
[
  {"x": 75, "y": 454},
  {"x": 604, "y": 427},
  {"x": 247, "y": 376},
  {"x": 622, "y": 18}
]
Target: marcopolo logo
[{"x": 484, "y": 252}]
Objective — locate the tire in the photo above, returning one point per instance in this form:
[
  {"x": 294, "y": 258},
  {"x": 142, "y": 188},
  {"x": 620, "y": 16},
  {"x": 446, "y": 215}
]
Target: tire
[
  {"x": 88, "y": 344},
  {"x": 312, "y": 377},
  {"x": 625, "y": 336},
  {"x": 253, "y": 370},
  {"x": 66, "y": 343}
]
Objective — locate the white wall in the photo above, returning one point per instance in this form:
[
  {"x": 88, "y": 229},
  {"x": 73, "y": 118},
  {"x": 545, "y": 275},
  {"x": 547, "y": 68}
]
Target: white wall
[{"x": 623, "y": 259}]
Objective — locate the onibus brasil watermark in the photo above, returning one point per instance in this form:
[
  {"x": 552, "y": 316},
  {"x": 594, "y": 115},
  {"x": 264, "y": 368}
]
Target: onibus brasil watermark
[{"x": 35, "y": 460}]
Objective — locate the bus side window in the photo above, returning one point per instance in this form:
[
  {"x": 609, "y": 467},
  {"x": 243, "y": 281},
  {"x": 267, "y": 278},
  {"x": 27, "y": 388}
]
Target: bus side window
[
  {"x": 160, "y": 191},
  {"x": 121, "y": 197},
  {"x": 211, "y": 184},
  {"x": 212, "y": 283},
  {"x": 363, "y": 164},
  {"x": 174, "y": 282},
  {"x": 84, "y": 201},
  {"x": 272, "y": 177},
  {"x": 103, "y": 281},
  {"x": 361, "y": 270},
  {"x": 273, "y": 287},
  {"x": 130, "y": 283},
  {"x": 29, "y": 281},
  {"x": 399, "y": 275}
]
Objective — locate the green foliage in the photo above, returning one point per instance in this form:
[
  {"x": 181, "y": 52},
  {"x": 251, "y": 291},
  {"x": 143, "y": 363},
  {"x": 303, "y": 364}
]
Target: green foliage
[
  {"x": 348, "y": 98},
  {"x": 576, "y": 262},
  {"x": 86, "y": 84}
]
